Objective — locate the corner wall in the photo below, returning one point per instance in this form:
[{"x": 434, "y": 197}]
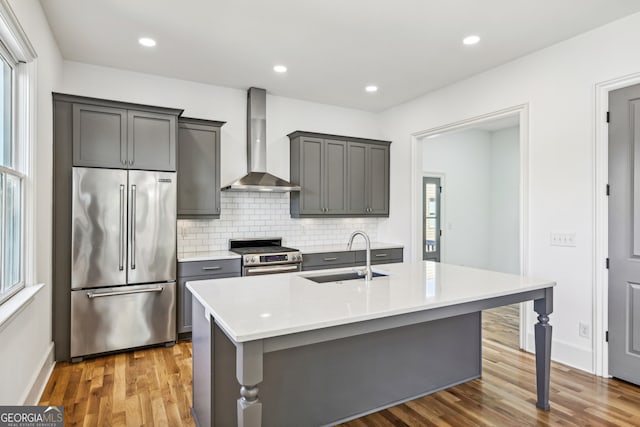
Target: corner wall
[
  {"x": 27, "y": 349},
  {"x": 558, "y": 84}
]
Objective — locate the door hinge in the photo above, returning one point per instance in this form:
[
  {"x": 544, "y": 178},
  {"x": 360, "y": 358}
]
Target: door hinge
[
  {"x": 440, "y": 232},
  {"x": 606, "y": 336},
  {"x": 441, "y": 189},
  {"x": 608, "y": 190},
  {"x": 608, "y": 117},
  {"x": 607, "y": 263}
]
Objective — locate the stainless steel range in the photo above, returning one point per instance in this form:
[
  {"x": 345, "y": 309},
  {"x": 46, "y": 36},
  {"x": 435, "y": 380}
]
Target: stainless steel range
[{"x": 266, "y": 256}]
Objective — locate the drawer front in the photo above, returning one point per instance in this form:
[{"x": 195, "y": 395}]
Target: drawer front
[
  {"x": 380, "y": 256},
  {"x": 209, "y": 268},
  {"x": 122, "y": 317},
  {"x": 328, "y": 259}
]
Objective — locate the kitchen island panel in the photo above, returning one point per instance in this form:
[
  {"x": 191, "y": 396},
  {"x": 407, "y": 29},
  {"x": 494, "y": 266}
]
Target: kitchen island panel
[{"x": 333, "y": 381}]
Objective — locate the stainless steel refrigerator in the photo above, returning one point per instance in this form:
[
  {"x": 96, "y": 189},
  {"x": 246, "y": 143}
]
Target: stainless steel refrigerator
[{"x": 123, "y": 260}]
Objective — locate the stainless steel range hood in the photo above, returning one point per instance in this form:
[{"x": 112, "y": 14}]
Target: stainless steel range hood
[{"x": 257, "y": 177}]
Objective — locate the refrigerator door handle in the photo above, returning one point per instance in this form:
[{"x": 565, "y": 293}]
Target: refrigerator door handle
[
  {"x": 123, "y": 243},
  {"x": 133, "y": 227},
  {"x": 92, "y": 295}
]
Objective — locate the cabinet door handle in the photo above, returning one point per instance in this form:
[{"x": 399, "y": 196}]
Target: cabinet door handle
[
  {"x": 211, "y": 268},
  {"x": 331, "y": 259},
  {"x": 381, "y": 255}
]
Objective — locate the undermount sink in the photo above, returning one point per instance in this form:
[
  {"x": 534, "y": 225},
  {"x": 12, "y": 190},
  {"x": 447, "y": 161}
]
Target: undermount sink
[{"x": 339, "y": 277}]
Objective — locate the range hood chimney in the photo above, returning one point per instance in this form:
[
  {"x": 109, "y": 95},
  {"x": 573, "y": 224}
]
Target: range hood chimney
[{"x": 257, "y": 177}]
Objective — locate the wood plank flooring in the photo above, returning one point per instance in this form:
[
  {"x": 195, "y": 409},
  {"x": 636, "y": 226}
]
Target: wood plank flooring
[
  {"x": 153, "y": 388},
  {"x": 150, "y": 387},
  {"x": 502, "y": 324}
]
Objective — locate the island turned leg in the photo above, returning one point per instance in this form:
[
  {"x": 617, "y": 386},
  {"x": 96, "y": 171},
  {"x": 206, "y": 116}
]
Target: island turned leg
[
  {"x": 543, "y": 307},
  {"x": 249, "y": 374}
]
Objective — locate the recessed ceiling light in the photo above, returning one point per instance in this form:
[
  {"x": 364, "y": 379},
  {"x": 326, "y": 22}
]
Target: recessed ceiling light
[
  {"x": 371, "y": 88},
  {"x": 147, "y": 42},
  {"x": 471, "y": 40},
  {"x": 280, "y": 69}
]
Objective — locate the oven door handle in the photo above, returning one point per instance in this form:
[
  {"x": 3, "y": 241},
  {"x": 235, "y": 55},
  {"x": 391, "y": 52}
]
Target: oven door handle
[{"x": 280, "y": 269}]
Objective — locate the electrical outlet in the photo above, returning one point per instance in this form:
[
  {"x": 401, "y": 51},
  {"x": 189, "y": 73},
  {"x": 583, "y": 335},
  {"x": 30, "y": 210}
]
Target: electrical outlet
[
  {"x": 583, "y": 330},
  {"x": 563, "y": 239}
]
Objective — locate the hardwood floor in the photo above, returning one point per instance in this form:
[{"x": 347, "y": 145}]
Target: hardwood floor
[
  {"x": 150, "y": 387},
  {"x": 502, "y": 325},
  {"x": 153, "y": 388}
]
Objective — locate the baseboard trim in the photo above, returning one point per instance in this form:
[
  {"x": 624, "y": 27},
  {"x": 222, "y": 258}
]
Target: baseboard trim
[
  {"x": 567, "y": 354},
  {"x": 40, "y": 378}
]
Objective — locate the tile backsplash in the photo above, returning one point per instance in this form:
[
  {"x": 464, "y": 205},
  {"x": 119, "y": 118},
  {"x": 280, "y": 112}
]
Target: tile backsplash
[{"x": 256, "y": 215}]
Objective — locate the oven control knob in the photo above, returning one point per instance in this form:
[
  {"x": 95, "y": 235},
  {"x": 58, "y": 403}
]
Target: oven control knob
[{"x": 253, "y": 259}]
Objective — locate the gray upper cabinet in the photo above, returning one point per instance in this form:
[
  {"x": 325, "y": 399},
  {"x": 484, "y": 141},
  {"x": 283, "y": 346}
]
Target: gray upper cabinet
[
  {"x": 368, "y": 179},
  {"x": 335, "y": 176},
  {"x": 99, "y": 136},
  {"x": 152, "y": 141},
  {"x": 310, "y": 175},
  {"x": 339, "y": 176},
  {"x": 119, "y": 135},
  {"x": 198, "y": 168}
]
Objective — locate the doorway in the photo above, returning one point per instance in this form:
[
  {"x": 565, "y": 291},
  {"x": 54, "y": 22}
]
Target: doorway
[{"x": 486, "y": 198}]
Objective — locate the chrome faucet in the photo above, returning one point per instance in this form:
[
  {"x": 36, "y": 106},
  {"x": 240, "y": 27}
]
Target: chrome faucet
[{"x": 368, "y": 274}]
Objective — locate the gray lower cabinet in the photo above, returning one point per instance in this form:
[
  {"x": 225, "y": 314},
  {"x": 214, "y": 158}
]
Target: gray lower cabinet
[
  {"x": 339, "y": 176},
  {"x": 381, "y": 256},
  {"x": 199, "y": 270},
  {"x": 325, "y": 260},
  {"x": 198, "y": 168},
  {"x": 119, "y": 135}
]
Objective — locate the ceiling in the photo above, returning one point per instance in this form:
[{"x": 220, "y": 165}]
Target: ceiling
[{"x": 332, "y": 48}]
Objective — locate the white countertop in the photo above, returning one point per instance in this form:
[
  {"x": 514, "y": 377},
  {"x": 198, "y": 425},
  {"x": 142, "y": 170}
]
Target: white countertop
[
  {"x": 256, "y": 307},
  {"x": 358, "y": 245},
  {"x": 206, "y": 256}
]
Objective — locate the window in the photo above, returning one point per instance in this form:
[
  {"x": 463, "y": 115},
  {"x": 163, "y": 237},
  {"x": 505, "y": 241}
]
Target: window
[
  {"x": 16, "y": 117},
  {"x": 11, "y": 190}
]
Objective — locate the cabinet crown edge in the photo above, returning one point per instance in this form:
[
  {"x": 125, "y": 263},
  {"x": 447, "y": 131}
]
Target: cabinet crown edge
[
  {"x": 63, "y": 97},
  {"x": 299, "y": 133}
]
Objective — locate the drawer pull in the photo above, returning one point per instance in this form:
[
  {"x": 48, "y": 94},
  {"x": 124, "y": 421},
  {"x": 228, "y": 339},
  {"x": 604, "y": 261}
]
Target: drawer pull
[
  {"x": 381, "y": 255},
  {"x": 331, "y": 259},
  {"x": 211, "y": 268}
]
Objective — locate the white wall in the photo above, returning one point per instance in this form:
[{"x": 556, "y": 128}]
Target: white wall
[
  {"x": 26, "y": 349},
  {"x": 558, "y": 84},
  {"x": 284, "y": 115},
  {"x": 480, "y": 198},
  {"x": 504, "y": 246},
  {"x": 464, "y": 159}
]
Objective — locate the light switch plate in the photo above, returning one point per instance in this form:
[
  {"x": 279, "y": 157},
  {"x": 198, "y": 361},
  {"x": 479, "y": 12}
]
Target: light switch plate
[{"x": 563, "y": 239}]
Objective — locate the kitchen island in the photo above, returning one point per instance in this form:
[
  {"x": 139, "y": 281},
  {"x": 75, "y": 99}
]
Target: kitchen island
[{"x": 282, "y": 350}]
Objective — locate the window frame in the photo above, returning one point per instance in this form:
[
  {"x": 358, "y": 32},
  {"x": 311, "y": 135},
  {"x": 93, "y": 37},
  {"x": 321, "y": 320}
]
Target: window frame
[{"x": 16, "y": 50}]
